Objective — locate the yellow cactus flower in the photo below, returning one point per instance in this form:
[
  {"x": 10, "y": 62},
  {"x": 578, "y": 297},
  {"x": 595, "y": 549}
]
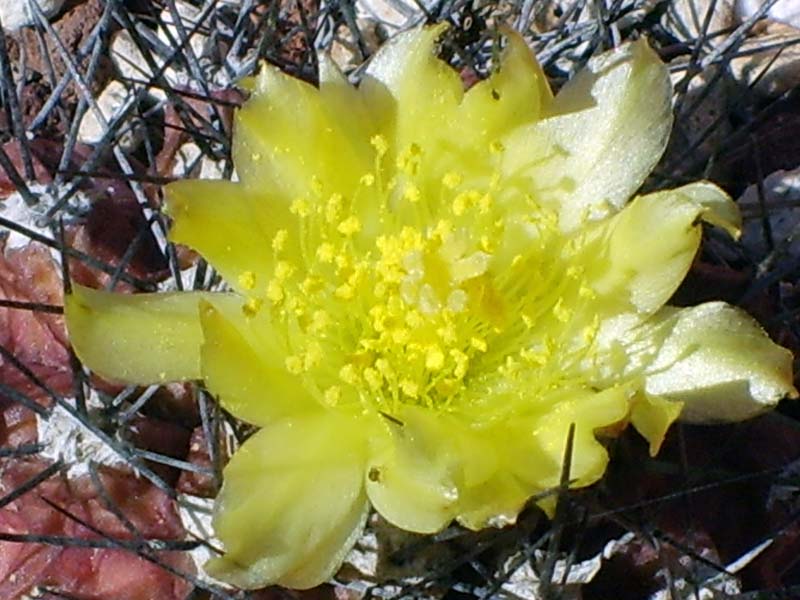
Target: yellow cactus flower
[{"x": 429, "y": 287}]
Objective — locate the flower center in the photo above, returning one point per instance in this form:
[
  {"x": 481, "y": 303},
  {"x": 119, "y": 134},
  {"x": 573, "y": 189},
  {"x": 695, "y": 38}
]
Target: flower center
[{"x": 415, "y": 284}]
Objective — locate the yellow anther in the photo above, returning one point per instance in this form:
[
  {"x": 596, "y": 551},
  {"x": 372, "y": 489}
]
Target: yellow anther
[
  {"x": 345, "y": 291},
  {"x": 464, "y": 201},
  {"x": 326, "y": 252},
  {"x": 332, "y": 395},
  {"x": 279, "y": 240},
  {"x": 311, "y": 285},
  {"x": 457, "y": 301},
  {"x": 379, "y": 316},
  {"x": 294, "y": 364},
  {"x": 447, "y": 333},
  {"x": 251, "y": 307},
  {"x": 373, "y": 378},
  {"x": 590, "y": 331},
  {"x": 461, "y": 360},
  {"x": 401, "y": 336},
  {"x": 349, "y": 374},
  {"x": 511, "y": 368},
  {"x": 442, "y": 230},
  {"x": 460, "y": 204},
  {"x": 275, "y": 291},
  {"x": 586, "y": 292},
  {"x": 367, "y": 180},
  {"x": 478, "y": 343},
  {"x": 385, "y": 369},
  {"x": 299, "y": 207},
  {"x": 379, "y": 143},
  {"x": 452, "y": 180},
  {"x": 350, "y": 226},
  {"x": 333, "y": 207},
  {"x": 414, "y": 319},
  {"x": 411, "y": 238},
  {"x": 434, "y": 358},
  {"x": 342, "y": 261},
  {"x": 283, "y": 270},
  {"x": 313, "y": 356},
  {"x": 411, "y": 194},
  {"x": 487, "y": 245},
  {"x": 247, "y": 280},
  {"x": 408, "y": 161},
  {"x": 409, "y": 388},
  {"x": 485, "y": 203},
  {"x": 575, "y": 272},
  {"x": 496, "y": 147},
  {"x": 561, "y": 312},
  {"x": 536, "y": 357},
  {"x": 320, "y": 321}
]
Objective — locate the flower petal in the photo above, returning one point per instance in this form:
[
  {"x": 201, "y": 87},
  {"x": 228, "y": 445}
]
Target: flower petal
[
  {"x": 242, "y": 361},
  {"x": 646, "y": 249},
  {"x": 652, "y": 417},
  {"x": 220, "y": 220},
  {"x": 612, "y": 126},
  {"x": 138, "y": 338},
  {"x": 514, "y": 95},
  {"x": 589, "y": 411},
  {"x": 410, "y": 479},
  {"x": 425, "y": 89},
  {"x": 720, "y": 363},
  {"x": 292, "y": 503},
  {"x": 290, "y": 133},
  {"x": 493, "y": 497},
  {"x": 436, "y": 467}
]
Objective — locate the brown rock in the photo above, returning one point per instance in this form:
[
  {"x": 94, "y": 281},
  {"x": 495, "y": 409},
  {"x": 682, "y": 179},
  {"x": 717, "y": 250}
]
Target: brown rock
[{"x": 74, "y": 28}]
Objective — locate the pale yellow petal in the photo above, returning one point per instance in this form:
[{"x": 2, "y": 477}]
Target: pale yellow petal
[
  {"x": 514, "y": 95},
  {"x": 297, "y": 141},
  {"x": 718, "y": 208},
  {"x": 436, "y": 467},
  {"x": 642, "y": 254},
  {"x": 244, "y": 363},
  {"x": 495, "y": 503},
  {"x": 540, "y": 436},
  {"x": 362, "y": 117},
  {"x": 138, "y": 338},
  {"x": 652, "y": 417},
  {"x": 292, "y": 503},
  {"x": 720, "y": 363},
  {"x": 609, "y": 128},
  {"x": 227, "y": 226},
  {"x": 411, "y": 479},
  {"x": 589, "y": 411},
  {"x": 425, "y": 94},
  {"x": 496, "y": 497}
]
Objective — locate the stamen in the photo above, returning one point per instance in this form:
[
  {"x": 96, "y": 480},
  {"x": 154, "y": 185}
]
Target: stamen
[{"x": 419, "y": 310}]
